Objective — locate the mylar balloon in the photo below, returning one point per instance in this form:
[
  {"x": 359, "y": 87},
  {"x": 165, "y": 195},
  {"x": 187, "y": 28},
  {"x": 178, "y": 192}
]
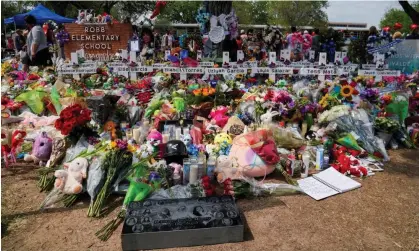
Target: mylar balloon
[
  {"x": 45, "y": 28},
  {"x": 397, "y": 26}
]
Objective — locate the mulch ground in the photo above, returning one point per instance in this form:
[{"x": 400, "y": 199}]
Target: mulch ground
[{"x": 382, "y": 215}]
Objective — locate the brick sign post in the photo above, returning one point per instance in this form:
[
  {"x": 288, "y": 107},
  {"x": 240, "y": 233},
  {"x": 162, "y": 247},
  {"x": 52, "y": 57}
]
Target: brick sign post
[{"x": 99, "y": 41}]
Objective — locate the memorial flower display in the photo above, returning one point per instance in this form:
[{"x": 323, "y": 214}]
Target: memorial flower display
[{"x": 176, "y": 121}]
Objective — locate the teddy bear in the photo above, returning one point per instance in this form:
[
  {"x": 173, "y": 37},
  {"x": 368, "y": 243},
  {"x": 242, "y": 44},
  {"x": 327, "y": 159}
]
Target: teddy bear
[
  {"x": 41, "y": 150},
  {"x": 225, "y": 169},
  {"x": 69, "y": 180}
]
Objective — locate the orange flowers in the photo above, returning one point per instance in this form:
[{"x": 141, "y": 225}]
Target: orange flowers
[
  {"x": 204, "y": 91},
  {"x": 386, "y": 98}
]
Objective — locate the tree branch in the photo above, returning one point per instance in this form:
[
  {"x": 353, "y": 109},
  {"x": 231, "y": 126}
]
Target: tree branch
[{"x": 410, "y": 11}]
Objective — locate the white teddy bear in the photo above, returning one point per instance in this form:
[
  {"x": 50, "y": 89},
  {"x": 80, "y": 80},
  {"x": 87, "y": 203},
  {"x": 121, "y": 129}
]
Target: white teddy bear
[{"x": 69, "y": 180}]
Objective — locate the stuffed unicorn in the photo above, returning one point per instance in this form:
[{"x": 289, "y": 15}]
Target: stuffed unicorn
[{"x": 42, "y": 148}]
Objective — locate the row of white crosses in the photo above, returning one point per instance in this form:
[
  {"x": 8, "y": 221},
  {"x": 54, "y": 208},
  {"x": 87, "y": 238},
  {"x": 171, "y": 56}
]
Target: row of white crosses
[{"x": 131, "y": 72}]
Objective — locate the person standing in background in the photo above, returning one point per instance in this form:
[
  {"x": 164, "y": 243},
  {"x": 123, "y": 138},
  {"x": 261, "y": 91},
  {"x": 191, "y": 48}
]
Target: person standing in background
[
  {"x": 62, "y": 37},
  {"x": 315, "y": 45},
  {"x": 10, "y": 45},
  {"x": 289, "y": 36},
  {"x": 37, "y": 47},
  {"x": 239, "y": 42},
  {"x": 243, "y": 35},
  {"x": 20, "y": 41}
]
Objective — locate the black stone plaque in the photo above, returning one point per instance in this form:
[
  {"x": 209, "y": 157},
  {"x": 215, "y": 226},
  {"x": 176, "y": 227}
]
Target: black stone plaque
[{"x": 181, "y": 222}]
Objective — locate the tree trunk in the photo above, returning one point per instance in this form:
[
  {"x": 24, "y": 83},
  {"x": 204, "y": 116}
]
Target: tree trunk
[{"x": 410, "y": 11}]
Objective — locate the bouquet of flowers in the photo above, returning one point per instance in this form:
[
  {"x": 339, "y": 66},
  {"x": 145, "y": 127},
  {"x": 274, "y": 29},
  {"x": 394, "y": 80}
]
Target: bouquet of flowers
[
  {"x": 370, "y": 94},
  {"x": 138, "y": 190},
  {"x": 252, "y": 188},
  {"x": 71, "y": 117},
  {"x": 386, "y": 125},
  {"x": 116, "y": 160}
]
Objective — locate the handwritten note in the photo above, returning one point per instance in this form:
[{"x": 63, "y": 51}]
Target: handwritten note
[{"x": 315, "y": 188}]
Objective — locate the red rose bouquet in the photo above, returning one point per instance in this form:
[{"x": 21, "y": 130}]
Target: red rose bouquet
[{"x": 71, "y": 117}]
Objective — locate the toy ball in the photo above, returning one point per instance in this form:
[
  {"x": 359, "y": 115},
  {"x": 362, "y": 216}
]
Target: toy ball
[
  {"x": 397, "y": 26},
  {"x": 223, "y": 137}
]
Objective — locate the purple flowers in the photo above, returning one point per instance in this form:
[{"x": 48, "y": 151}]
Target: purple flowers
[
  {"x": 370, "y": 94},
  {"x": 121, "y": 144},
  {"x": 308, "y": 108}
]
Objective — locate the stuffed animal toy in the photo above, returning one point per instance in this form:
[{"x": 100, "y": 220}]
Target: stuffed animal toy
[
  {"x": 266, "y": 118},
  {"x": 89, "y": 18},
  {"x": 110, "y": 127},
  {"x": 212, "y": 127},
  {"x": 98, "y": 19},
  {"x": 255, "y": 153},
  {"x": 41, "y": 150},
  {"x": 154, "y": 139},
  {"x": 69, "y": 180},
  {"x": 58, "y": 151},
  {"x": 221, "y": 138},
  {"x": 219, "y": 115},
  {"x": 225, "y": 169},
  {"x": 187, "y": 140},
  {"x": 81, "y": 17},
  {"x": 6, "y": 149}
]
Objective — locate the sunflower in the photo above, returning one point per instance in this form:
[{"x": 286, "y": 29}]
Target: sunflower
[{"x": 346, "y": 91}]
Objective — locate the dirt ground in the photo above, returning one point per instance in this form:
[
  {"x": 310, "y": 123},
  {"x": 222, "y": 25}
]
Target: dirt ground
[{"x": 382, "y": 215}]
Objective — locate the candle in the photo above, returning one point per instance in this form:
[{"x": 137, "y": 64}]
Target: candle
[
  {"x": 136, "y": 134},
  {"x": 193, "y": 173},
  {"x": 178, "y": 132},
  {"x": 185, "y": 131},
  {"x": 166, "y": 137},
  {"x": 129, "y": 133}
]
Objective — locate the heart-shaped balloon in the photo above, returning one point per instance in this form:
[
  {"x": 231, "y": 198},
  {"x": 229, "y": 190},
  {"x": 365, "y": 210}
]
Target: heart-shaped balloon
[
  {"x": 397, "y": 26},
  {"x": 413, "y": 26}
]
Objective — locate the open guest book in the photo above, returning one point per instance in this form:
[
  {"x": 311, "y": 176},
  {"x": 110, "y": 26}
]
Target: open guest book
[{"x": 327, "y": 183}]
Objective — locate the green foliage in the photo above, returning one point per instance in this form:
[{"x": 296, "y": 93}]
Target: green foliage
[
  {"x": 132, "y": 9},
  {"x": 357, "y": 50},
  {"x": 251, "y": 12},
  {"x": 180, "y": 11},
  {"x": 393, "y": 16},
  {"x": 297, "y": 13}
]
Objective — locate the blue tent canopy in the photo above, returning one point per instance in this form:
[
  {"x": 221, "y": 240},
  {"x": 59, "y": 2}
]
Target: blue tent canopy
[{"x": 41, "y": 14}]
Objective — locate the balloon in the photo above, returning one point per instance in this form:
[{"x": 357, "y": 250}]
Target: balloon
[
  {"x": 386, "y": 28},
  {"x": 413, "y": 26},
  {"x": 45, "y": 28},
  {"x": 397, "y": 26}
]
